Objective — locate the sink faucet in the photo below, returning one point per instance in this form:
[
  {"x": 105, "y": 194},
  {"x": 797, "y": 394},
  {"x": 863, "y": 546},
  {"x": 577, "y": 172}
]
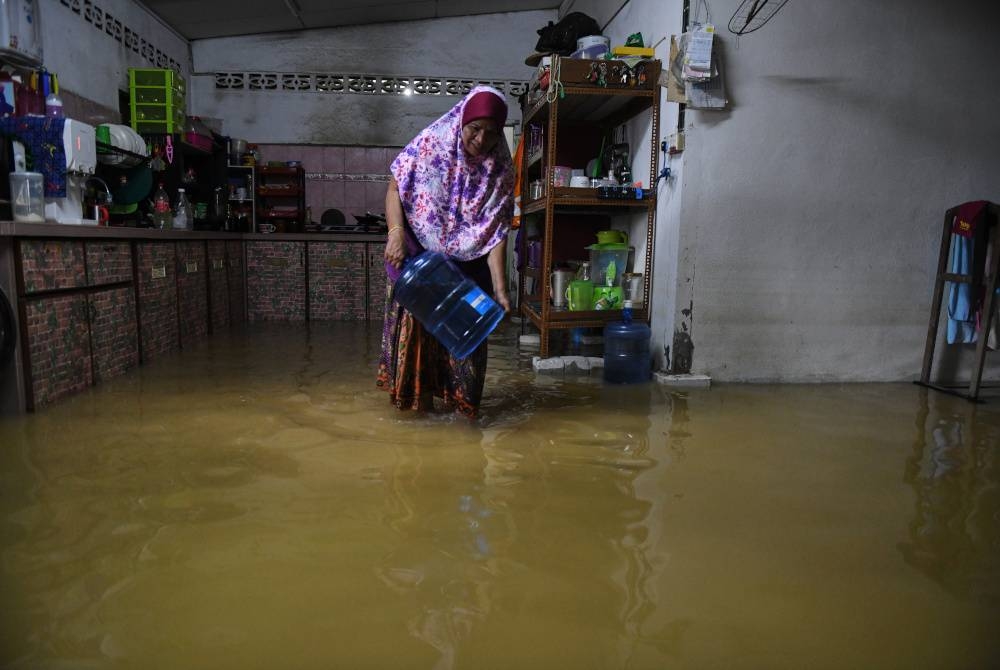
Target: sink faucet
[{"x": 107, "y": 191}]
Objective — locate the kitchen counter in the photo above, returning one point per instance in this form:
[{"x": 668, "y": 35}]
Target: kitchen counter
[
  {"x": 89, "y": 303},
  {"x": 14, "y": 229}
]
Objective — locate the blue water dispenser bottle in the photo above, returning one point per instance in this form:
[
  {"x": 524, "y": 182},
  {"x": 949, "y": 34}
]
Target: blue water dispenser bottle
[
  {"x": 626, "y": 350},
  {"x": 448, "y": 304}
]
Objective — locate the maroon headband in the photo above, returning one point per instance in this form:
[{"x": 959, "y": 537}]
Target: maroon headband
[{"x": 485, "y": 105}]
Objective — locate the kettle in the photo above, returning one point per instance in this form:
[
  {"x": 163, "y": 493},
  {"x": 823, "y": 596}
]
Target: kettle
[{"x": 559, "y": 281}]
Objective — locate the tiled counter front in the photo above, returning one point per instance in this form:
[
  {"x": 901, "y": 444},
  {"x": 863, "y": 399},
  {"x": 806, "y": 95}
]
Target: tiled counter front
[
  {"x": 58, "y": 339},
  {"x": 315, "y": 280},
  {"x": 94, "y": 302},
  {"x": 113, "y": 336},
  {"x": 108, "y": 262},
  {"x": 48, "y": 265},
  {"x": 276, "y": 281},
  {"x": 336, "y": 281},
  {"x": 156, "y": 270},
  {"x": 237, "y": 283},
  {"x": 218, "y": 286},
  {"x": 79, "y": 315},
  {"x": 192, "y": 293}
]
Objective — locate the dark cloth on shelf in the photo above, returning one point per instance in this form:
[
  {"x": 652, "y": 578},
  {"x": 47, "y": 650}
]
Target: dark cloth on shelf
[{"x": 42, "y": 137}]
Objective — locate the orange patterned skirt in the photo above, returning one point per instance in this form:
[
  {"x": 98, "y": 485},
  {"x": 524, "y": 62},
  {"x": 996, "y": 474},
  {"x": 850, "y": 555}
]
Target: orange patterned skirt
[{"x": 415, "y": 368}]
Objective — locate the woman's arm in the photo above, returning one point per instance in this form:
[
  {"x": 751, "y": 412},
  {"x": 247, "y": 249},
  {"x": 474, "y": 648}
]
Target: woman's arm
[
  {"x": 497, "y": 261},
  {"x": 395, "y": 245}
]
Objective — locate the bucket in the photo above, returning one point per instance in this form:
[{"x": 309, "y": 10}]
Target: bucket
[
  {"x": 448, "y": 304},
  {"x": 626, "y": 353}
]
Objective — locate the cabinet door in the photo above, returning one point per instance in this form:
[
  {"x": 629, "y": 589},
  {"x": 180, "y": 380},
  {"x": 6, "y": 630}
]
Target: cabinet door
[
  {"x": 156, "y": 264},
  {"x": 218, "y": 286},
  {"x": 52, "y": 264},
  {"x": 192, "y": 293},
  {"x": 113, "y": 336},
  {"x": 58, "y": 347},
  {"x": 377, "y": 281},
  {"x": 108, "y": 262},
  {"x": 276, "y": 281},
  {"x": 337, "y": 281}
]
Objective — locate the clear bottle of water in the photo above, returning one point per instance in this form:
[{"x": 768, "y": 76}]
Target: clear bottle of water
[
  {"x": 162, "y": 216},
  {"x": 183, "y": 216}
]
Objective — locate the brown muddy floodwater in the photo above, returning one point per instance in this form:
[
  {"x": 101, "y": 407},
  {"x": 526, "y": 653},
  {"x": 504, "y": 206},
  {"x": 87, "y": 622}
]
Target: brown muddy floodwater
[{"x": 256, "y": 503}]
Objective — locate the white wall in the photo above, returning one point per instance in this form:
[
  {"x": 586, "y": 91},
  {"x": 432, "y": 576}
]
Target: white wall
[
  {"x": 91, "y": 49},
  {"x": 808, "y": 231},
  {"x": 656, "y": 21},
  {"x": 489, "y": 46}
]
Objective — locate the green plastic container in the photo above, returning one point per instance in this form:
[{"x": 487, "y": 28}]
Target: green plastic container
[{"x": 607, "y": 263}]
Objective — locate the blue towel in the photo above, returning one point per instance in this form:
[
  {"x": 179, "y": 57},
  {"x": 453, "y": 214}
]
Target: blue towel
[{"x": 961, "y": 313}]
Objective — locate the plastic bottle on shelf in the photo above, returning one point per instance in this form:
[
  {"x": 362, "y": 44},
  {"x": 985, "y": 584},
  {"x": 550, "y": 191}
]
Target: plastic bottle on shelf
[
  {"x": 162, "y": 216},
  {"x": 53, "y": 103},
  {"x": 183, "y": 216}
]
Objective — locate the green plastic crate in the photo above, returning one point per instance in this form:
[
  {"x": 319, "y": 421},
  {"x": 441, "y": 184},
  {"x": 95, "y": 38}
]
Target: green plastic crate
[{"x": 156, "y": 100}]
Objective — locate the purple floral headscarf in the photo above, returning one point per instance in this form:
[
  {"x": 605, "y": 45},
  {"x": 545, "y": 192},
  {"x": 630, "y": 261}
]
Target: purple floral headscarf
[{"x": 457, "y": 204}]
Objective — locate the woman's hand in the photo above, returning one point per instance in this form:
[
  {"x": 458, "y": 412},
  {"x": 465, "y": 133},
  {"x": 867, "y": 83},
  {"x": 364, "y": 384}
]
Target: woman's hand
[
  {"x": 500, "y": 296},
  {"x": 395, "y": 247},
  {"x": 498, "y": 273}
]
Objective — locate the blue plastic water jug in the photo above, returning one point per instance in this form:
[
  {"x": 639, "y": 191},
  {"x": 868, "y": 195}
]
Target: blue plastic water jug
[
  {"x": 626, "y": 350},
  {"x": 448, "y": 304}
]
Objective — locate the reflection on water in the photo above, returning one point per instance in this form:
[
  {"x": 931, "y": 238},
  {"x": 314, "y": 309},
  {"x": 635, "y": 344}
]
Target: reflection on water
[
  {"x": 954, "y": 471},
  {"x": 257, "y": 503}
]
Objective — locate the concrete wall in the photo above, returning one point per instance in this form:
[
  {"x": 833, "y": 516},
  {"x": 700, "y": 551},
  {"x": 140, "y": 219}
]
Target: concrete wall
[
  {"x": 91, "y": 45},
  {"x": 809, "y": 213},
  {"x": 489, "y": 46}
]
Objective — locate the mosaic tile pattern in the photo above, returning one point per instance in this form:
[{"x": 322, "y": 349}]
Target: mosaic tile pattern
[
  {"x": 336, "y": 281},
  {"x": 52, "y": 264},
  {"x": 108, "y": 262},
  {"x": 157, "y": 269},
  {"x": 192, "y": 292},
  {"x": 352, "y": 179},
  {"x": 234, "y": 266},
  {"x": 218, "y": 286},
  {"x": 113, "y": 334},
  {"x": 59, "y": 348},
  {"x": 276, "y": 280}
]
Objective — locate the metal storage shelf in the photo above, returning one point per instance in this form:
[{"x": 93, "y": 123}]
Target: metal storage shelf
[
  {"x": 603, "y": 108},
  {"x": 281, "y": 197}
]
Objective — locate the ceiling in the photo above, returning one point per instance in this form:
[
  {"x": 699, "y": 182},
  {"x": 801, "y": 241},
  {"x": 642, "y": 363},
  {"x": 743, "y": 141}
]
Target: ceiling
[{"x": 201, "y": 19}]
